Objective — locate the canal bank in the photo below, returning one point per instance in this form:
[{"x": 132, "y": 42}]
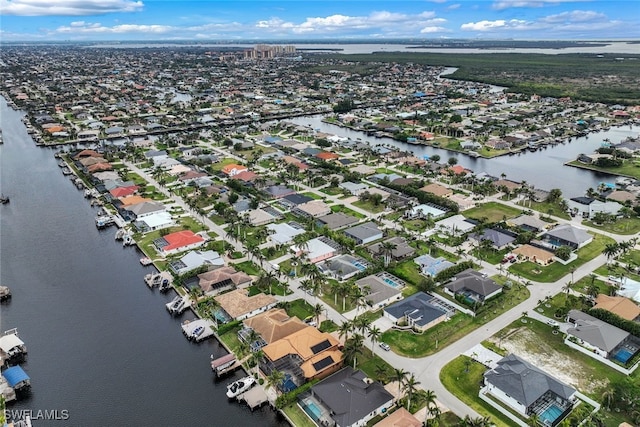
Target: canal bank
[
  {"x": 101, "y": 344},
  {"x": 543, "y": 168}
]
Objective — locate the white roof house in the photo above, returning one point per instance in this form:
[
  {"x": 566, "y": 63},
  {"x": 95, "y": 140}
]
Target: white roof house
[
  {"x": 158, "y": 220},
  {"x": 283, "y": 233}
]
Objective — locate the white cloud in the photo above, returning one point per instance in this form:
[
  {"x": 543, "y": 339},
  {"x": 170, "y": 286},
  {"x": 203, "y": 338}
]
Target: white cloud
[
  {"x": 454, "y": 6},
  {"x": 575, "y": 16},
  {"x": 493, "y": 25},
  {"x": 507, "y": 4},
  {"x": 97, "y": 28},
  {"x": 67, "y": 7},
  {"x": 431, "y": 30}
]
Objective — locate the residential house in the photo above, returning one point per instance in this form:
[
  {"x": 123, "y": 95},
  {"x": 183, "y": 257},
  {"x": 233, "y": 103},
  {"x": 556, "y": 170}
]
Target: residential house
[
  {"x": 588, "y": 206},
  {"x": 529, "y": 391},
  {"x": 140, "y": 210},
  {"x": 566, "y": 235},
  {"x": 239, "y": 305},
  {"x": 293, "y": 200},
  {"x": 401, "y": 248},
  {"x": 473, "y": 286},
  {"x": 379, "y": 291},
  {"x": 335, "y": 221},
  {"x": 349, "y": 399},
  {"x": 364, "y": 233},
  {"x": 437, "y": 190},
  {"x": 534, "y": 254},
  {"x": 274, "y": 324},
  {"x": 353, "y": 188},
  {"x": 318, "y": 249},
  {"x": 399, "y": 418},
  {"x": 620, "y": 306},
  {"x": 601, "y": 338},
  {"x": 194, "y": 260},
  {"x": 456, "y": 224},
  {"x": 424, "y": 211},
  {"x": 258, "y": 217},
  {"x": 528, "y": 223},
  {"x": 178, "y": 242},
  {"x": 303, "y": 355},
  {"x": 499, "y": 239},
  {"x": 420, "y": 310},
  {"x": 221, "y": 279},
  {"x": 284, "y": 233},
  {"x": 430, "y": 266},
  {"x": 154, "y": 221},
  {"x": 313, "y": 209},
  {"x": 233, "y": 169},
  {"x": 279, "y": 191},
  {"x": 343, "y": 267}
]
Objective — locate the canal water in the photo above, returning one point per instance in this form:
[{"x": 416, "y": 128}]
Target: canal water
[
  {"x": 543, "y": 168},
  {"x": 102, "y": 346}
]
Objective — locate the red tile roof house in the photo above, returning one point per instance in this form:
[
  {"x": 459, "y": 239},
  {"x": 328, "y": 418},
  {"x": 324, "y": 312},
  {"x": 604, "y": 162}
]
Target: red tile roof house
[
  {"x": 124, "y": 191},
  {"x": 233, "y": 169},
  {"x": 327, "y": 156},
  {"x": 178, "y": 242}
]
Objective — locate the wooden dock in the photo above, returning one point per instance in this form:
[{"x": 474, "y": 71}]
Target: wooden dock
[{"x": 255, "y": 397}]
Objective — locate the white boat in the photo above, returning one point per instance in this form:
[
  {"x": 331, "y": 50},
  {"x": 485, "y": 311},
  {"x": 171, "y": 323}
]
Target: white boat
[
  {"x": 146, "y": 261},
  {"x": 236, "y": 388}
]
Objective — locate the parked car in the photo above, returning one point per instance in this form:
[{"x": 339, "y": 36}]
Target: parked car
[
  {"x": 385, "y": 346},
  {"x": 552, "y": 322}
]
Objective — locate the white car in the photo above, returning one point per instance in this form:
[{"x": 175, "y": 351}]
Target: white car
[
  {"x": 552, "y": 322},
  {"x": 385, "y": 346}
]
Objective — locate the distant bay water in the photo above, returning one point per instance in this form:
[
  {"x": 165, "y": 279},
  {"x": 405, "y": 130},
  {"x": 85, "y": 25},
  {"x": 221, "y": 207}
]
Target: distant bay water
[{"x": 102, "y": 346}]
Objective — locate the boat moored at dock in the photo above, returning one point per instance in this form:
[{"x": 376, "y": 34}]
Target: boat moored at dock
[
  {"x": 12, "y": 348},
  {"x": 238, "y": 387},
  {"x": 224, "y": 364},
  {"x": 178, "y": 305},
  {"x": 197, "y": 330},
  {"x": 5, "y": 293}
]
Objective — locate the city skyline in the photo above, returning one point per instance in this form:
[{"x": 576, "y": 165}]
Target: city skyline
[{"x": 105, "y": 20}]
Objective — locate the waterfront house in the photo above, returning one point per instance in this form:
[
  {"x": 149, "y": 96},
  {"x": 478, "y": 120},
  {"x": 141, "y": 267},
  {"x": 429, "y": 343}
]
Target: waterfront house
[
  {"x": 588, "y": 206},
  {"x": 528, "y": 390},
  {"x": 222, "y": 279},
  {"x": 348, "y": 398},
  {"x": 239, "y": 305},
  {"x": 154, "y": 221},
  {"x": 420, "y": 311},
  {"x": 178, "y": 242},
  {"x": 364, "y": 233},
  {"x": 472, "y": 286},
  {"x": 140, "y": 210},
  {"x": 274, "y": 324},
  {"x": 302, "y": 356},
  {"x": 194, "y": 260}
]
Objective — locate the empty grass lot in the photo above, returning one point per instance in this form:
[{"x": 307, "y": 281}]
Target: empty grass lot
[{"x": 492, "y": 211}]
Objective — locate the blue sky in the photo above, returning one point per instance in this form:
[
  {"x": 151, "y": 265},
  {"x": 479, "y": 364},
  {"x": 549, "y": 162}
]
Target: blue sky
[{"x": 51, "y": 20}]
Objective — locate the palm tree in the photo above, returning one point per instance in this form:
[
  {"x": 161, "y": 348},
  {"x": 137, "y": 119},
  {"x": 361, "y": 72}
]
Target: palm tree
[
  {"x": 475, "y": 422},
  {"x": 399, "y": 375},
  {"x": 353, "y": 347},
  {"x": 386, "y": 249},
  {"x": 255, "y": 359},
  {"x": 567, "y": 288},
  {"x": 345, "y": 329},
  {"x": 374, "y": 335},
  {"x": 410, "y": 387},
  {"x": 361, "y": 323},
  {"x": 611, "y": 250},
  {"x": 533, "y": 420},
  {"x": 317, "y": 310},
  {"x": 344, "y": 291},
  {"x": 275, "y": 378}
]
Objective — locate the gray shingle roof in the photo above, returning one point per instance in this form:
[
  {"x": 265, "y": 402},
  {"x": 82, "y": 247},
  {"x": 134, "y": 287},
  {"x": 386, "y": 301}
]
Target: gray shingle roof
[
  {"x": 569, "y": 233},
  {"x": 473, "y": 281},
  {"x": 525, "y": 382},
  {"x": 348, "y": 397},
  {"x": 417, "y": 307},
  {"x": 596, "y": 332}
]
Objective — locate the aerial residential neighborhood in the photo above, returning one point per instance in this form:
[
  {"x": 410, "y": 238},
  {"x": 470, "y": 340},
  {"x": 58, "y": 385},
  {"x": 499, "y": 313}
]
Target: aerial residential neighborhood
[{"x": 355, "y": 282}]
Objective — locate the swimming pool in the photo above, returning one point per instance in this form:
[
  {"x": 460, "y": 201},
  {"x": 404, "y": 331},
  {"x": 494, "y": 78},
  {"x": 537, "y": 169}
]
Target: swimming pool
[
  {"x": 623, "y": 355},
  {"x": 312, "y": 410},
  {"x": 359, "y": 266},
  {"x": 391, "y": 283},
  {"x": 551, "y": 414}
]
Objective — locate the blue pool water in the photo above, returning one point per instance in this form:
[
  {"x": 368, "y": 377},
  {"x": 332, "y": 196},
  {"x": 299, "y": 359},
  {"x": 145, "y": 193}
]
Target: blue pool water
[
  {"x": 313, "y": 411},
  {"x": 359, "y": 266},
  {"x": 551, "y": 414},
  {"x": 391, "y": 283},
  {"x": 623, "y": 355}
]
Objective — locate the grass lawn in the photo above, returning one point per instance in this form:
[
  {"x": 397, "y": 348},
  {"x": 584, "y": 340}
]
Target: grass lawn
[
  {"x": 190, "y": 223},
  {"x": 248, "y": 267},
  {"x": 492, "y": 211},
  {"x": 328, "y": 326},
  {"x": 374, "y": 366},
  {"x": 407, "y": 271},
  {"x": 553, "y": 209},
  {"x": 555, "y": 271},
  {"x": 631, "y": 257},
  {"x": 368, "y": 206},
  {"x": 312, "y": 195},
  {"x": 629, "y": 168},
  {"x": 332, "y": 191},
  {"x": 347, "y": 211},
  {"x": 491, "y": 256},
  {"x": 298, "y": 416},
  {"x": 407, "y": 343},
  {"x": 536, "y": 340},
  {"x": 584, "y": 284},
  {"x": 230, "y": 338},
  {"x": 299, "y": 308},
  {"x": 619, "y": 226},
  {"x": 222, "y": 163},
  {"x": 462, "y": 377}
]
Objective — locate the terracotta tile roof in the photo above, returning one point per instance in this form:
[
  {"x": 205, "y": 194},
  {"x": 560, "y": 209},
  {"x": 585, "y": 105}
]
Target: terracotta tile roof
[
  {"x": 237, "y": 303},
  {"x": 124, "y": 191},
  {"x": 246, "y": 176},
  {"x": 327, "y": 156},
  {"x": 299, "y": 343},
  {"x": 621, "y": 306},
  {"x": 209, "y": 279},
  {"x": 180, "y": 239},
  {"x": 99, "y": 167},
  {"x": 275, "y": 324},
  {"x": 399, "y": 418},
  {"x": 133, "y": 200},
  {"x": 437, "y": 189}
]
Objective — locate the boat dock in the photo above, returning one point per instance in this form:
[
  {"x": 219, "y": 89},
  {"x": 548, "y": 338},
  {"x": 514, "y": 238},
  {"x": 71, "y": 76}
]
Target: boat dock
[
  {"x": 178, "y": 305},
  {"x": 12, "y": 348},
  {"x": 225, "y": 364},
  {"x": 255, "y": 397},
  {"x": 160, "y": 280},
  {"x": 6, "y": 390},
  {"x": 198, "y": 329}
]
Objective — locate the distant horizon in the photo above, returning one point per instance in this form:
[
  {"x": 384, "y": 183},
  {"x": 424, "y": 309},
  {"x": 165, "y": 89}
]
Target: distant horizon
[{"x": 377, "y": 21}]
